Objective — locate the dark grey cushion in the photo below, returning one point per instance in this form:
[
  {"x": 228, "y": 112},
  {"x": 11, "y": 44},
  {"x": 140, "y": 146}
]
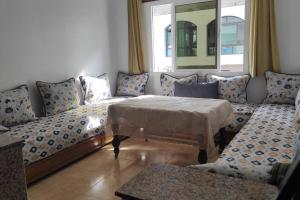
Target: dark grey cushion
[{"x": 200, "y": 90}]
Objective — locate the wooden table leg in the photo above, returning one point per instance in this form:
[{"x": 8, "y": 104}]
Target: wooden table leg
[
  {"x": 202, "y": 157},
  {"x": 116, "y": 144},
  {"x": 116, "y": 140},
  {"x": 222, "y": 142}
]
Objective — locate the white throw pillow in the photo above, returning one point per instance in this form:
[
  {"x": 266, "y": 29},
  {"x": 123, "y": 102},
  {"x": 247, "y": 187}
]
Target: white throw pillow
[
  {"x": 15, "y": 107},
  {"x": 168, "y": 82},
  {"x": 58, "y": 97},
  {"x": 233, "y": 88},
  {"x": 297, "y": 101},
  {"x": 282, "y": 88},
  {"x": 297, "y": 120},
  {"x": 131, "y": 84},
  {"x": 95, "y": 89}
]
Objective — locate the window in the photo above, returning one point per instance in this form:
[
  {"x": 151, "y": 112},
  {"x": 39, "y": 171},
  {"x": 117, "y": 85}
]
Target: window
[
  {"x": 168, "y": 35},
  {"x": 202, "y": 39},
  {"x": 162, "y": 48},
  {"x": 186, "y": 39},
  {"x": 211, "y": 38},
  {"x": 232, "y": 35}
]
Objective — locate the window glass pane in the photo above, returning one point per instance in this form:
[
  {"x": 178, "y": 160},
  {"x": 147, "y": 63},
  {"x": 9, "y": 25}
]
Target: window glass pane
[
  {"x": 232, "y": 35},
  {"x": 162, "y": 38},
  {"x": 186, "y": 38},
  {"x": 196, "y": 35}
]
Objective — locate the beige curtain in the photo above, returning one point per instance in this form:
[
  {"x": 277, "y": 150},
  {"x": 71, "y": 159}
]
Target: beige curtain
[
  {"x": 263, "y": 48},
  {"x": 136, "y": 58}
]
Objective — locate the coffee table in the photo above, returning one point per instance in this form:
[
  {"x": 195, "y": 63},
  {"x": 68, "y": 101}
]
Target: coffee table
[
  {"x": 159, "y": 182},
  {"x": 192, "y": 121}
]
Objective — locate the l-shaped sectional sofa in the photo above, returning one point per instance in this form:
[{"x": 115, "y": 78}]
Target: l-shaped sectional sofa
[{"x": 266, "y": 133}]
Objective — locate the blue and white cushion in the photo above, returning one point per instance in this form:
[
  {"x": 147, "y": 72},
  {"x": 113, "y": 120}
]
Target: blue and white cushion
[
  {"x": 232, "y": 89},
  {"x": 95, "y": 89},
  {"x": 282, "y": 88},
  {"x": 15, "y": 107},
  {"x": 241, "y": 113},
  {"x": 167, "y": 82},
  {"x": 297, "y": 101},
  {"x": 58, "y": 97},
  {"x": 131, "y": 85},
  {"x": 269, "y": 137}
]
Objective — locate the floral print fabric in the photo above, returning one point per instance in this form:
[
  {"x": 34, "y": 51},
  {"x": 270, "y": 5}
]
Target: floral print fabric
[
  {"x": 282, "y": 88},
  {"x": 58, "y": 97},
  {"x": 297, "y": 102},
  {"x": 95, "y": 89},
  {"x": 269, "y": 137},
  {"x": 15, "y": 107},
  {"x": 52, "y": 134},
  {"x": 242, "y": 113},
  {"x": 131, "y": 85},
  {"x": 167, "y": 82},
  {"x": 232, "y": 89}
]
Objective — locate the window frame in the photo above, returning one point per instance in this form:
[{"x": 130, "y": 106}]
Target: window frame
[{"x": 147, "y": 11}]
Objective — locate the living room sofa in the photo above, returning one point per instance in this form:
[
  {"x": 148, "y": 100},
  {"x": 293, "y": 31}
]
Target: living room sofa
[
  {"x": 68, "y": 130},
  {"x": 270, "y": 136},
  {"x": 53, "y": 141},
  {"x": 265, "y": 133}
]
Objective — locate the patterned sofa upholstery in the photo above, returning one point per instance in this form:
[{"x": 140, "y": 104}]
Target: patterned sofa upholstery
[
  {"x": 268, "y": 137},
  {"x": 242, "y": 113},
  {"x": 49, "y": 135}
]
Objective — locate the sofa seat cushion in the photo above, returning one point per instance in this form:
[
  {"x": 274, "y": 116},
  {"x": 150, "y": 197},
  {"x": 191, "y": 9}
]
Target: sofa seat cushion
[
  {"x": 52, "y": 134},
  {"x": 242, "y": 113},
  {"x": 268, "y": 137}
]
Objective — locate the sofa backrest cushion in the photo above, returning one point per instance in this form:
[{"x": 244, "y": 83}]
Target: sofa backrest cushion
[
  {"x": 297, "y": 101},
  {"x": 233, "y": 88},
  {"x": 282, "y": 88},
  {"x": 131, "y": 84},
  {"x": 58, "y": 97},
  {"x": 95, "y": 89},
  {"x": 200, "y": 90},
  {"x": 15, "y": 107},
  {"x": 167, "y": 82}
]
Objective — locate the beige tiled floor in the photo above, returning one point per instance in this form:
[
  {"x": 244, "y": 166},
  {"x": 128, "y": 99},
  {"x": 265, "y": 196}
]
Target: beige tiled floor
[{"x": 97, "y": 176}]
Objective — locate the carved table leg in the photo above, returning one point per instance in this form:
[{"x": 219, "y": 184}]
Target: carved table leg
[
  {"x": 202, "y": 157},
  {"x": 222, "y": 143},
  {"x": 116, "y": 143},
  {"x": 117, "y": 140}
]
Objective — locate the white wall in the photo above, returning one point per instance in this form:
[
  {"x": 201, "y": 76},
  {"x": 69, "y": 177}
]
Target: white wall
[
  {"x": 120, "y": 40},
  {"x": 52, "y": 40},
  {"x": 288, "y": 26}
]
